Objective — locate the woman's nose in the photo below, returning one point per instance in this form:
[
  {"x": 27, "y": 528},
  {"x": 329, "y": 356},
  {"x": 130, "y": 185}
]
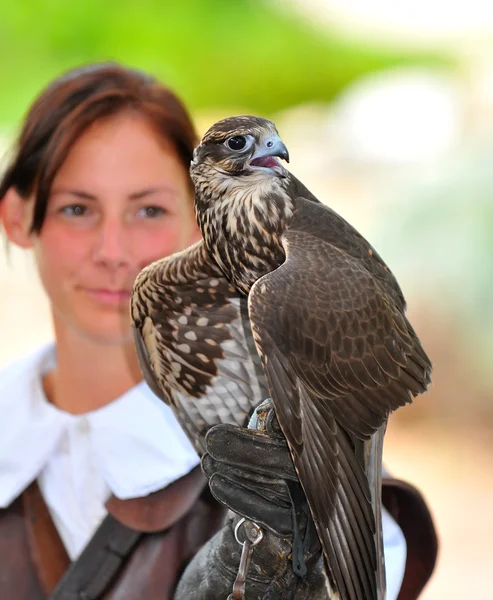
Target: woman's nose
[{"x": 111, "y": 244}]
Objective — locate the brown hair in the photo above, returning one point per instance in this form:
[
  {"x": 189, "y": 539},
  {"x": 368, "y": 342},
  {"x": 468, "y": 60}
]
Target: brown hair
[{"x": 69, "y": 105}]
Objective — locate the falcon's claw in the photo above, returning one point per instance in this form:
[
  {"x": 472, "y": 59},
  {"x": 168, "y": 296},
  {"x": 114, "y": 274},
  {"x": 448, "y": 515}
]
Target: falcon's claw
[
  {"x": 258, "y": 420},
  {"x": 264, "y": 418}
]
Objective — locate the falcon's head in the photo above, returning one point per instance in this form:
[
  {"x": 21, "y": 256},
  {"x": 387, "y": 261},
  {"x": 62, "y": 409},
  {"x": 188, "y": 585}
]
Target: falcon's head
[
  {"x": 242, "y": 202},
  {"x": 243, "y": 145}
]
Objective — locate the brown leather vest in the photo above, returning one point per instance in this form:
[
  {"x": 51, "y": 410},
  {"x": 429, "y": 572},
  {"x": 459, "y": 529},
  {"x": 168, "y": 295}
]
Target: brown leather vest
[{"x": 176, "y": 522}]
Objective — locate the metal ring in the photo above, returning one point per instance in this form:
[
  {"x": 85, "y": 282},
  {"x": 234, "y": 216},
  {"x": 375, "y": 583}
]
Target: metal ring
[
  {"x": 240, "y": 522},
  {"x": 259, "y": 537},
  {"x": 257, "y": 540}
]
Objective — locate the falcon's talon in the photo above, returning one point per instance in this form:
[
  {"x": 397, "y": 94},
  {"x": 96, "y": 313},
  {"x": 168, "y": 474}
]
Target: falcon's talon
[
  {"x": 272, "y": 423},
  {"x": 258, "y": 420}
]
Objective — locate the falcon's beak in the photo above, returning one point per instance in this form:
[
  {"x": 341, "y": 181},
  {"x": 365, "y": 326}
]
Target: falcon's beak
[{"x": 266, "y": 152}]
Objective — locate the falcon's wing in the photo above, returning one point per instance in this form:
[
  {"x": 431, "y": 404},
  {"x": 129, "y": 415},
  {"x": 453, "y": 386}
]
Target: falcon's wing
[
  {"x": 194, "y": 342},
  {"x": 339, "y": 355}
]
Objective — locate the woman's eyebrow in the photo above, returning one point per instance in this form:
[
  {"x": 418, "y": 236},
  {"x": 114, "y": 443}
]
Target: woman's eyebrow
[
  {"x": 133, "y": 196},
  {"x": 76, "y": 193},
  {"x": 150, "y": 191}
]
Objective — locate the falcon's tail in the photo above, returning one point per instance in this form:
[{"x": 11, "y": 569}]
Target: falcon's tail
[{"x": 373, "y": 469}]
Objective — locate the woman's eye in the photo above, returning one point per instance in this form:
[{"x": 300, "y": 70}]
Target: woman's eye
[
  {"x": 74, "y": 210},
  {"x": 151, "y": 212},
  {"x": 238, "y": 142}
]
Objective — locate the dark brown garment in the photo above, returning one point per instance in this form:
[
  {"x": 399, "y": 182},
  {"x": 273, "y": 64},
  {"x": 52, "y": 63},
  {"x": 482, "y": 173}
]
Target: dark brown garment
[
  {"x": 175, "y": 522},
  {"x": 409, "y": 509}
]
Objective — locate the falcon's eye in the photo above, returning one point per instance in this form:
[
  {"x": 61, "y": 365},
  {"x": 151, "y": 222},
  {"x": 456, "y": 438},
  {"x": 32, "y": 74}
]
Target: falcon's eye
[{"x": 237, "y": 142}]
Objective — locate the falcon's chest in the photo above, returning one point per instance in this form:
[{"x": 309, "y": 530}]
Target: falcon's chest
[{"x": 243, "y": 226}]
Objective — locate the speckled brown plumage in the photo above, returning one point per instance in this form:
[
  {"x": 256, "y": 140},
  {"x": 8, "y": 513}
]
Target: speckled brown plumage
[
  {"x": 189, "y": 330},
  {"x": 328, "y": 321}
]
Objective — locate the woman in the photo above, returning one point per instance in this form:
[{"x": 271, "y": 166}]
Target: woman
[{"x": 100, "y": 491}]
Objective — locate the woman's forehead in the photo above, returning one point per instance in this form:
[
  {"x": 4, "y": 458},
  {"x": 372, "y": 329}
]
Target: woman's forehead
[
  {"x": 124, "y": 152},
  {"x": 125, "y": 134}
]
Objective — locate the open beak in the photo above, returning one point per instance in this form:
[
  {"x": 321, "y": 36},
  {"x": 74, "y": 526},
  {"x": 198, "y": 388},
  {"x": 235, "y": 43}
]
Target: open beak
[{"x": 268, "y": 150}]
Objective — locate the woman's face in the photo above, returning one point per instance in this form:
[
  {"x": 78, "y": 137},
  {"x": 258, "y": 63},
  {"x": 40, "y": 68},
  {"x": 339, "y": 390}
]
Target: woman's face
[{"x": 121, "y": 200}]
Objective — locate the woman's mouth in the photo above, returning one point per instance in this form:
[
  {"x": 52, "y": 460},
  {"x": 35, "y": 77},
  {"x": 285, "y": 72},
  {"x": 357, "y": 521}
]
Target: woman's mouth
[{"x": 106, "y": 296}]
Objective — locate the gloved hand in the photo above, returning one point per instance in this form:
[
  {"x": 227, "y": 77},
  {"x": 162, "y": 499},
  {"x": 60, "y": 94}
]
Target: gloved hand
[{"x": 252, "y": 473}]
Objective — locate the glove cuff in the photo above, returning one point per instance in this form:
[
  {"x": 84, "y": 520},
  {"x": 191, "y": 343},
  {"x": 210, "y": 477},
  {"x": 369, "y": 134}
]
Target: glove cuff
[{"x": 270, "y": 575}]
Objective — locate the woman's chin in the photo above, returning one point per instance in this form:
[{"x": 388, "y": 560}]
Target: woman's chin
[
  {"x": 109, "y": 331},
  {"x": 110, "y": 338},
  {"x": 103, "y": 329}
]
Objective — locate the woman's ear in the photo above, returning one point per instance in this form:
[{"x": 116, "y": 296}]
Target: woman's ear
[{"x": 15, "y": 215}]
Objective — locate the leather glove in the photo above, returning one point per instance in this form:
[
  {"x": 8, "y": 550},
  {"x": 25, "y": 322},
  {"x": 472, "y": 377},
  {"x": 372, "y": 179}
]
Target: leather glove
[
  {"x": 252, "y": 473},
  {"x": 213, "y": 571}
]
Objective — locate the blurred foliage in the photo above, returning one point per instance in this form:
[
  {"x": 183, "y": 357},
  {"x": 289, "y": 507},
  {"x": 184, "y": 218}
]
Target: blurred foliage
[
  {"x": 446, "y": 217},
  {"x": 251, "y": 54}
]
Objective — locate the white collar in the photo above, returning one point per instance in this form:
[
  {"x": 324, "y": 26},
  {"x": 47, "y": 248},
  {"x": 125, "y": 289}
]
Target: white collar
[{"x": 139, "y": 445}]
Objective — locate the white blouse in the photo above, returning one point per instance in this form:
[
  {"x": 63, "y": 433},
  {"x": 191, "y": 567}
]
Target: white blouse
[{"x": 130, "y": 448}]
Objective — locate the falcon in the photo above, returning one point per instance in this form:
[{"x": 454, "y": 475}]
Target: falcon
[{"x": 283, "y": 297}]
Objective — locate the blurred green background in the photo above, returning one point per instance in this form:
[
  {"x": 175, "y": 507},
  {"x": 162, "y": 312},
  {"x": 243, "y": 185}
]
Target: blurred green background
[
  {"x": 252, "y": 54},
  {"x": 387, "y": 110}
]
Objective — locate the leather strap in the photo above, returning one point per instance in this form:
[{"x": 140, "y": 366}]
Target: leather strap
[
  {"x": 95, "y": 569},
  {"x": 46, "y": 548},
  {"x": 128, "y": 520},
  {"x": 159, "y": 510},
  {"x": 409, "y": 508}
]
